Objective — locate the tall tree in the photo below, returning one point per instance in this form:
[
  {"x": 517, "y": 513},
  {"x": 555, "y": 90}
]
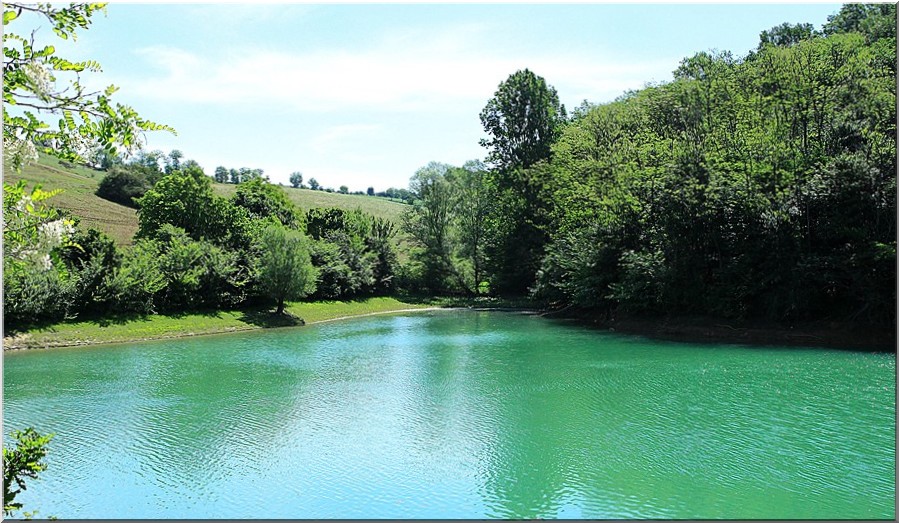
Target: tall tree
[
  {"x": 473, "y": 207},
  {"x": 429, "y": 222},
  {"x": 523, "y": 120},
  {"x": 173, "y": 161},
  {"x": 296, "y": 179}
]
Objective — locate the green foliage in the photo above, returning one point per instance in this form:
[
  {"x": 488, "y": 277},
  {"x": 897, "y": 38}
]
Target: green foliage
[
  {"x": 263, "y": 200},
  {"x": 296, "y": 179},
  {"x": 285, "y": 270},
  {"x": 875, "y": 21},
  {"x": 523, "y": 120},
  {"x": 754, "y": 188},
  {"x": 428, "y": 222},
  {"x": 448, "y": 224},
  {"x": 33, "y": 83},
  {"x": 197, "y": 274},
  {"x": 786, "y": 34},
  {"x": 91, "y": 259},
  {"x": 24, "y": 461},
  {"x": 221, "y": 175},
  {"x": 35, "y": 283},
  {"x": 135, "y": 284},
  {"x": 123, "y": 185},
  {"x": 185, "y": 199},
  {"x": 352, "y": 251}
]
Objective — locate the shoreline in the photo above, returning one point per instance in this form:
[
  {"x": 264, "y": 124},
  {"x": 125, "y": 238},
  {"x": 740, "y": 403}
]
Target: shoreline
[
  {"x": 137, "y": 329},
  {"x": 231, "y": 330},
  {"x": 680, "y": 329},
  {"x": 701, "y": 329}
]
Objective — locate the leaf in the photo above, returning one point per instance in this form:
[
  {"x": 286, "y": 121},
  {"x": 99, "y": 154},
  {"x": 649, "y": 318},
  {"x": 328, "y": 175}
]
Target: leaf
[{"x": 9, "y": 16}]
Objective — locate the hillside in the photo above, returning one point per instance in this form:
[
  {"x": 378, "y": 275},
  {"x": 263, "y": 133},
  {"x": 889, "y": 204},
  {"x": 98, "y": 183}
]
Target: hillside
[
  {"x": 120, "y": 223},
  {"x": 78, "y": 185},
  {"x": 307, "y": 199}
]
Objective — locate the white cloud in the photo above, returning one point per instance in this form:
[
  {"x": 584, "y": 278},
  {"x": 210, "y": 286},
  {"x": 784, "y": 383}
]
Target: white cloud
[{"x": 404, "y": 72}]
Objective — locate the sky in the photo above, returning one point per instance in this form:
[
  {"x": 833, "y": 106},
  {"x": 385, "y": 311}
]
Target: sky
[{"x": 363, "y": 95}]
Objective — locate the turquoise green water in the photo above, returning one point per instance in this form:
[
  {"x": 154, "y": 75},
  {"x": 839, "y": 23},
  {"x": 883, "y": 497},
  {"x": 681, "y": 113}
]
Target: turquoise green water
[{"x": 456, "y": 414}]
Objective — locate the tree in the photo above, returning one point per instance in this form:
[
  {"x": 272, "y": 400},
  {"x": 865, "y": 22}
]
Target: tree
[
  {"x": 31, "y": 77},
  {"x": 185, "y": 199},
  {"x": 344, "y": 189},
  {"x": 370, "y": 191},
  {"x": 264, "y": 200},
  {"x": 173, "y": 161},
  {"x": 221, "y": 174},
  {"x": 785, "y": 34},
  {"x": 313, "y": 184},
  {"x": 285, "y": 271},
  {"x": 523, "y": 120},
  {"x": 875, "y": 21},
  {"x": 296, "y": 179},
  {"x": 473, "y": 205},
  {"x": 20, "y": 463},
  {"x": 428, "y": 222}
]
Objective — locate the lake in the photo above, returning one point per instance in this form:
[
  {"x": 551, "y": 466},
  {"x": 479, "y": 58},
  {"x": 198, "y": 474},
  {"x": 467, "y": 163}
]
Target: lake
[{"x": 456, "y": 414}]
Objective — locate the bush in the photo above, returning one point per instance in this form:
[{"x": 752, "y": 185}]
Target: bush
[
  {"x": 134, "y": 285},
  {"x": 123, "y": 185},
  {"x": 33, "y": 292},
  {"x": 91, "y": 258}
]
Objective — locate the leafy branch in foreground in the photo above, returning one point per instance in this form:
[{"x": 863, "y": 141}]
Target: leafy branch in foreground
[
  {"x": 20, "y": 463},
  {"x": 88, "y": 120}
]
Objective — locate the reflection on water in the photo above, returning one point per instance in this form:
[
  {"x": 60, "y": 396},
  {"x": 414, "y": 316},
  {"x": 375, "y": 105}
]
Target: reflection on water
[{"x": 456, "y": 415}]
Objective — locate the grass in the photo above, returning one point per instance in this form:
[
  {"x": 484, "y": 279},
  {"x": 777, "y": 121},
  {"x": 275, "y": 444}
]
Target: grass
[
  {"x": 130, "y": 328},
  {"x": 307, "y": 199},
  {"x": 78, "y": 185}
]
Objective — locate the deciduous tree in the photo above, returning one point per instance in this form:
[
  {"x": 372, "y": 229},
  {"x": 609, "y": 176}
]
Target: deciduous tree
[{"x": 285, "y": 271}]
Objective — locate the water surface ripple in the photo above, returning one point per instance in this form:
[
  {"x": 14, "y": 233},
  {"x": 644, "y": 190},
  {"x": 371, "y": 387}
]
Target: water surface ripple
[{"x": 457, "y": 414}]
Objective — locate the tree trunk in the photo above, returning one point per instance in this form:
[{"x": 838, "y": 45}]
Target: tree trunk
[{"x": 280, "y": 306}]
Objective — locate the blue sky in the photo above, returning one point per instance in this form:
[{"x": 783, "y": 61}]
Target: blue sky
[{"x": 363, "y": 95}]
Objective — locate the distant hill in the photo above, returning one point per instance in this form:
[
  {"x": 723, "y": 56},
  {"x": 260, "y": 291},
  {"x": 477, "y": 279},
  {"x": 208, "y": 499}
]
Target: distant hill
[
  {"x": 120, "y": 223},
  {"x": 307, "y": 199}
]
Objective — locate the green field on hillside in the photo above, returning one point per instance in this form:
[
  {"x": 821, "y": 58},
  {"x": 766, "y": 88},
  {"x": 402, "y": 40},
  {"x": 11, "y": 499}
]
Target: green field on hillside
[
  {"x": 307, "y": 199},
  {"x": 79, "y": 184}
]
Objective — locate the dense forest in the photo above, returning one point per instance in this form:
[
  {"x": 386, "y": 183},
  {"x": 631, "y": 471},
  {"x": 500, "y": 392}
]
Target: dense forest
[
  {"x": 761, "y": 187},
  {"x": 756, "y": 187}
]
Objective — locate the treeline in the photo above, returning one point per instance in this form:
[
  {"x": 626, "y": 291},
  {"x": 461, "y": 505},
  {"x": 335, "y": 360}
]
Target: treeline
[
  {"x": 235, "y": 176},
  {"x": 756, "y": 187},
  {"x": 193, "y": 251}
]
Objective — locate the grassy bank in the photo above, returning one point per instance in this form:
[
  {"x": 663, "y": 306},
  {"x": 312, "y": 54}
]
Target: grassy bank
[{"x": 131, "y": 328}]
